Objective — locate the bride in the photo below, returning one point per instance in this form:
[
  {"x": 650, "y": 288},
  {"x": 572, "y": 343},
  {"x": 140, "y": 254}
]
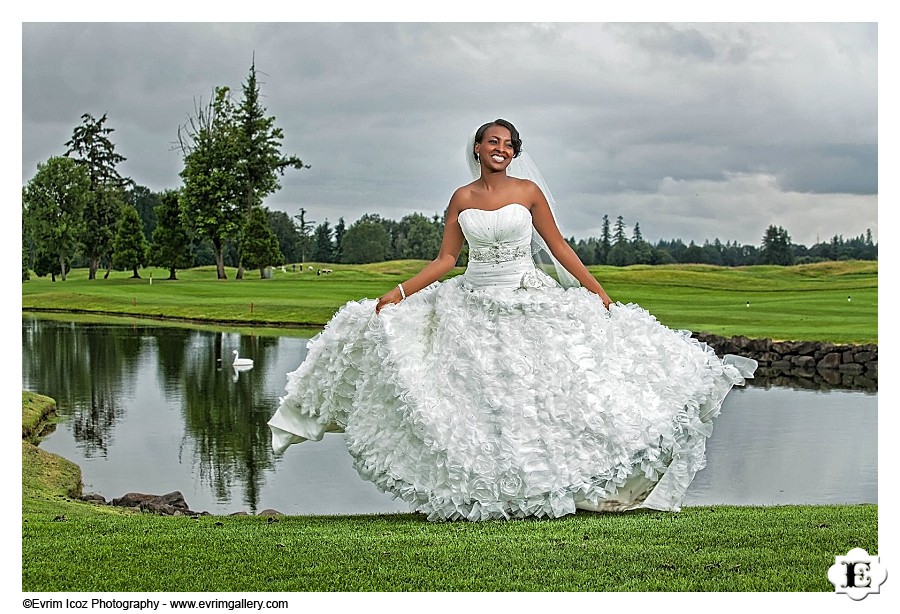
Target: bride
[{"x": 509, "y": 392}]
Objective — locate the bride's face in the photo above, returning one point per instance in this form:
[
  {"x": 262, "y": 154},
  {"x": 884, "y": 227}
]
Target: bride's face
[{"x": 495, "y": 151}]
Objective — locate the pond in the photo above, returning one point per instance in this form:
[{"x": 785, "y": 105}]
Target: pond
[{"x": 151, "y": 408}]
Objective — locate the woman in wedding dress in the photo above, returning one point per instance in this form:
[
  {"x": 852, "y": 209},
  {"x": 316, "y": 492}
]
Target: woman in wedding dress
[{"x": 505, "y": 392}]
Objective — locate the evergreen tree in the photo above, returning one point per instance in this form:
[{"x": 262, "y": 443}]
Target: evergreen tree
[
  {"x": 305, "y": 235},
  {"x": 53, "y": 204},
  {"x": 323, "y": 247},
  {"x": 260, "y": 162},
  {"x": 91, "y": 147},
  {"x": 619, "y": 235},
  {"x": 259, "y": 246},
  {"x": 605, "y": 241},
  {"x": 171, "y": 241},
  {"x": 776, "y": 247},
  {"x": 129, "y": 245},
  {"x": 339, "y": 230}
]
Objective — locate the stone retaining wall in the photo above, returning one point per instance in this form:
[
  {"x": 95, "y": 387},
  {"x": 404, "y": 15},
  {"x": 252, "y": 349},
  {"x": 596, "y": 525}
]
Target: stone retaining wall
[{"x": 842, "y": 365}]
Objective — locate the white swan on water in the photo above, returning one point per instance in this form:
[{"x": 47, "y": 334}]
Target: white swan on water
[{"x": 241, "y": 362}]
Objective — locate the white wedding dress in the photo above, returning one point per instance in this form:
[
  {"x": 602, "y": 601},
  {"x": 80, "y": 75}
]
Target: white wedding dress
[{"x": 499, "y": 394}]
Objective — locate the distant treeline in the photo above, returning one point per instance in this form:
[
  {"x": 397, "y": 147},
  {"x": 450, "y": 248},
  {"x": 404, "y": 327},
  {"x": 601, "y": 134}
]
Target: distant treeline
[{"x": 373, "y": 238}]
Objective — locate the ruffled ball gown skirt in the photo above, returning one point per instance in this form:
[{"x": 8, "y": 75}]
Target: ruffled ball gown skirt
[{"x": 499, "y": 394}]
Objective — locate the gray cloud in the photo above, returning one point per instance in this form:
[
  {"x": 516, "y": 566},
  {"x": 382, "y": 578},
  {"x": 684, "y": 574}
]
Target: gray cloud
[{"x": 689, "y": 129}]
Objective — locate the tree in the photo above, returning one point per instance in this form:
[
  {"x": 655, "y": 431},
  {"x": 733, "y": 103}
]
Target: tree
[
  {"x": 53, "y": 206},
  {"x": 423, "y": 240},
  {"x": 605, "y": 241},
  {"x": 643, "y": 252},
  {"x": 259, "y": 142},
  {"x": 304, "y": 230},
  {"x": 776, "y": 247},
  {"x": 171, "y": 241},
  {"x": 365, "y": 241},
  {"x": 212, "y": 190},
  {"x": 259, "y": 247},
  {"x": 91, "y": 147},
  {"x": 621, "y": 254},
  {"x": 323, "y": 243},
  {"x": 636, "y": 236},
  {"x": 692, "y": 255},
  {"x": 619, "y": 235},
  {"x": 286, "y": 234},
  {"x": 146, "y": 202},
  {"x": 130, "y": 245},
  {"x": 339, "y": 230}
]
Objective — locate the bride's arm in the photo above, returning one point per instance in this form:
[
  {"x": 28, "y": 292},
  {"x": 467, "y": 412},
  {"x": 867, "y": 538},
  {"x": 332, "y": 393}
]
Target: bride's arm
[
  {"x": 542, "y": 218},
  {"x": 446, "y": 259}
]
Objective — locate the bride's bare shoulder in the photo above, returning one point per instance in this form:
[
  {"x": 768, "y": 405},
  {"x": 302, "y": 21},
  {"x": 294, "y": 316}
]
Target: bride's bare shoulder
[{"x": 461, "y": 199}]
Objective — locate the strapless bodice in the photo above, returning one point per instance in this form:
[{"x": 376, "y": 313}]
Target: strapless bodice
[{"x": 499, "y": 246}]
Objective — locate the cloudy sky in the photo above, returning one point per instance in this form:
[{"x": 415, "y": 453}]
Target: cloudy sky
[{"x": 694, "y": 130}]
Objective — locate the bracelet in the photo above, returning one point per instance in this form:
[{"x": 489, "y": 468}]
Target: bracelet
[{"x": 402, "y": 293}]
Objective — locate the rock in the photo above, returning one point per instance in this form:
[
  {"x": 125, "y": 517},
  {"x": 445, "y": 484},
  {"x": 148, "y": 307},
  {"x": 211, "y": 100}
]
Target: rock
[
  {"x": 783, "y": 347},
  {"x": 270, "y": 512},
  {"x": 806, "y": 348},
  {"x": 804, "y": 362},
  {"x": 829, "y": 361},
  {"x": 94, "y": 498},
  {"x": 167, "y": 504},
  {"x": 759, "y": 346}
]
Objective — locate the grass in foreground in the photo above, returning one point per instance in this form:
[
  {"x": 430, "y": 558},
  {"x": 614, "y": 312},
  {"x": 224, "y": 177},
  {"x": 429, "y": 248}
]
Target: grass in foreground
[
  {"x": 697, "y": 549},
  {"x": 807, "y": 302}
]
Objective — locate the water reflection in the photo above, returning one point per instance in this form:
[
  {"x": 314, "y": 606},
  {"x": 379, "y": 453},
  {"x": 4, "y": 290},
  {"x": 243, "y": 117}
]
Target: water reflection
[
  {"x": 157, "y": 408},
  {"x": 805, "y": 378},
  {"x": 98, "y": 373}
]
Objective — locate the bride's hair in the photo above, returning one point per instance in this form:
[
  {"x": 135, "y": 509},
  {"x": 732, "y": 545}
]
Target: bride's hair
[{"x": 514, "y": 134}]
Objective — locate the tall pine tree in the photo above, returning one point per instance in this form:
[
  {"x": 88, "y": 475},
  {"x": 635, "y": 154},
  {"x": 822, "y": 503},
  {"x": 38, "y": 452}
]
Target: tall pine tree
[
  {"x": 91, "y": 147},
  {"x": 259, "y": 141}
]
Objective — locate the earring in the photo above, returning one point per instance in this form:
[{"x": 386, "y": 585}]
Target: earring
[{"x": 476, "y": 156}]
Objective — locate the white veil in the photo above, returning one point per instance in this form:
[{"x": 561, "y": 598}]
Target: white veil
[{"x": 523, "y": 167}]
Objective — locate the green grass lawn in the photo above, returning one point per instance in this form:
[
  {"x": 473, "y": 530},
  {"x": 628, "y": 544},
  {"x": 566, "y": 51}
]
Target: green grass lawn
[{"x": 807, "y": 302}]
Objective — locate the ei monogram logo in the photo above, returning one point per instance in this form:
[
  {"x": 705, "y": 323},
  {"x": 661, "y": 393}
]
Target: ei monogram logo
[{"x": 857, "y": 574}]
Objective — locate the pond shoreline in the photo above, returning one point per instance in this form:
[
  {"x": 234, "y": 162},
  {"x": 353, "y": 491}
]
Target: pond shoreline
[{"x": 776, "y": 353}]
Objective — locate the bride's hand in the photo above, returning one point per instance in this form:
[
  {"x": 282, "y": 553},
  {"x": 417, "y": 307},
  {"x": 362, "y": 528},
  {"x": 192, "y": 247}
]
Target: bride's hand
[
  {"x": 391, "y": 298},
  {"x": 606, "y": 300}
]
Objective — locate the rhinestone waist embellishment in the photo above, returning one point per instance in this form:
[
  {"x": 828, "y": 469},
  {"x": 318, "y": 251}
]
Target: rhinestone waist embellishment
[{"x": 499, "y": 253}]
